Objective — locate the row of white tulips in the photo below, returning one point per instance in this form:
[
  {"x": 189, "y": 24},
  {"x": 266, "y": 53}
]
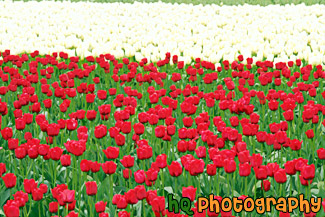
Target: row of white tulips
[{"x": 212, "y": 32}]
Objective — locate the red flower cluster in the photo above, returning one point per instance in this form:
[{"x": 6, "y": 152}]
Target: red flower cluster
[{"x": 108, "y": 130}]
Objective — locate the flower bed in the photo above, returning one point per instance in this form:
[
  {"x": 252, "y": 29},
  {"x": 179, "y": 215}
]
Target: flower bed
[
  {"x": 116, "y": 136},
  {"x": 211, "y": 32}
]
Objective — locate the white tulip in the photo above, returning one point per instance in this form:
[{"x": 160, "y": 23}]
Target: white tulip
[{"x": 210, "y": 32}]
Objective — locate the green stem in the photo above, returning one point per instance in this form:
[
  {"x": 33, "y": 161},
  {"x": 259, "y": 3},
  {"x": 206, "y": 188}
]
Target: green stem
[
  {"x": 228, "y": 182},
  {"x": 255, "y": 189},
  {"x": 66, "y": 176},
  {"x": 132, "y": 214},
  {"x": 162, "y": 181},
  {"x": 90, "y": 207},
  {"x": 54, "y": 173},
  {"x": 324, "y": 173},
  {"x": 246, "y": 186},
  {"x": 143, "y": 208},
  {"x": 176, "y": 182},
  {"x": 217, "y": 184},
  {"x": 210, "y": 184},
  {"x": 111, "y": 187},
  {"x": 199, "y": 186}
]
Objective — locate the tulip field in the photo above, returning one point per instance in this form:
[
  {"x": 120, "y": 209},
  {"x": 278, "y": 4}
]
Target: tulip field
[
  {"x": 113, "y": 127},
  {"x": 114, "y": 137}
]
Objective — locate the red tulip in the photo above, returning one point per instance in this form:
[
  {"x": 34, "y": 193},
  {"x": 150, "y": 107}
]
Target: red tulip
[
  {"x": 111, "y": 152},
  {"x": 295, "y": 144},
  {"x": 72, "y": 214},
  {"x": 245, "y": 169},
  {"x": 119, "y": 201},
  {"x": 127, "y": 173},
  {"x": 11, "y": 208},
  {"x": 67, "y": 196},
  {"x": 144, "y": 152},
  {"x": 196, "y": 167},
  {"x": 90, "y": 98},
  {"x": 160, "y": 131},
  {"x": 288, "y": 115},
  {"x": 100, "y": 206},
  {"x": 123, "y": 214},
  {"x": 95, "y": 166},
  {"x": 91, "y": 188},
  {"x": 100, "y": 131},
  {"x": 280, "y": 176},
  {"x": 211, "y": 169},
  {"x": 72, "y": 124},
  {"x": 55, "y": 153},
  {"x": 260, "y": 172},
  {"x": 138, "y": 128},
  {"x": 127, "y": 161},
  {"x": 53, "y": 129},
  {"x": 2, "y": 168},
  {"x": 201, "y": 152},
  {"x": 29, "y": 185},
  {"x": 158, "y": 204},
  {"x": 289, "y": 167},
  {"x": 53, "y": 207},
  {"x": 321, "y": 153},
  {"x": 91, "y": 115},
  {"x": 10, "y": 180},
  {"x": 244, "y": 156},
  {"x": 229, "y": 166},
  {"x": 308, "y": 172},
  {"x": 284, "y": 214},
  {"x": 85, "y": 165},
  {"x": 120, "y": 139},
  {"x": 13, "y": 144},
  {"x": 152, "y": 175},
  {"x": 265, "y": 185},
  {"x": 112, "y": 91},
  {"x": 37, "y": 194},
  {"x": 310, "y": 133},
  {"x": 101, "y": 94},
  {"x": 175, "y": 169},
  {"x": 76, "y": 148},
  {"x": 161, "y": 161},
  {"x": 6, "y": 133},
  {"x": 65, "y": 160},
  {"x": 139, "y": 176},
  {"x": 20, "y": 124},
  {"x": 273, "y": 105},
  {"x": 189, "y": 192},
  {"x": 43, "y": 188},
  {"x": 126, "y": 127},
  {"x": 188, "y": 121},
  {"x": 109, "y": 167},
  {"x": 305, "y": 182},
  {"x": 131, "y": 197},
  {"x": 140, "y": 192},
  {"x": 256, "y": 160}
]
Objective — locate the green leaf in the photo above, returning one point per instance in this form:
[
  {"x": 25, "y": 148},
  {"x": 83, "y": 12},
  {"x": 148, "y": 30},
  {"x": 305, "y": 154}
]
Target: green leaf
[
  {"x": 320, "y": 185},
  {"x": 4, "y": 196},
  {"x": 89, "y": 178},
  {"x": 103, "y": 188},
  {"x": 169, "y": 189},
  {"x": 315, "y": 191},
  {"x": 1, "y": 212}
]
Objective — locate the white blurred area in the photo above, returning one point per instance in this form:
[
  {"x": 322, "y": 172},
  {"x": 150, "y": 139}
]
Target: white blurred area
[{"x": 211, "y": 32}]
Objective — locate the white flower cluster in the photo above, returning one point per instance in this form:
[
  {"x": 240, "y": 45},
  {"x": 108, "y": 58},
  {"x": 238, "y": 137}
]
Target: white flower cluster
[{"x": 211, "y": 32}]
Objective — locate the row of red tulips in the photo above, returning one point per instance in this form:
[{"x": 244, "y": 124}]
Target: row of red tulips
[{"x": 102, "y": 135}]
